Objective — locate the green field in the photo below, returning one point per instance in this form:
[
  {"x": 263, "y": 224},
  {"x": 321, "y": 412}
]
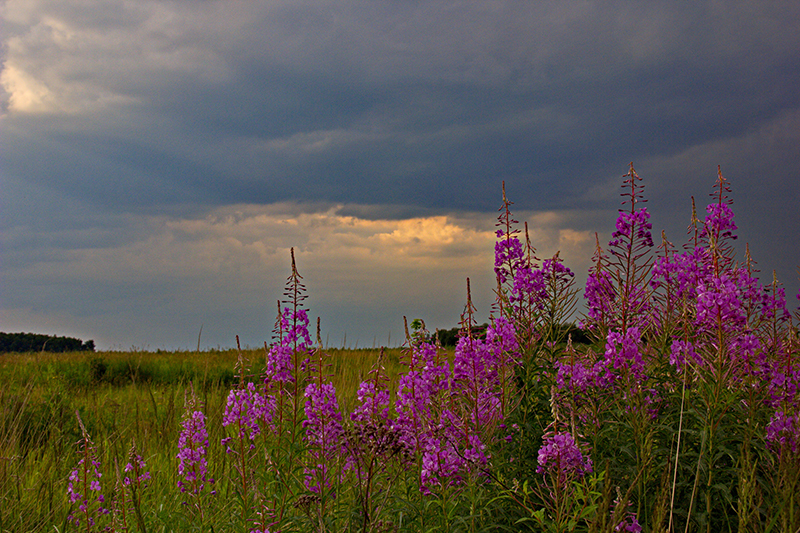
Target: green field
[{"x": 121, "y": 397}]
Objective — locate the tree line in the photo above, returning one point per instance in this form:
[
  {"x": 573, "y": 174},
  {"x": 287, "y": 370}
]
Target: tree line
[{"x": 34, "y": 342}]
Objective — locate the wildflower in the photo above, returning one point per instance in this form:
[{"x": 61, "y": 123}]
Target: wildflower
[
  {"x": 294, "y": 339},
  {"x": 783, "y": 432},
  {"x": 508, "y": 255},
  {"x": 192, "y": 444},
  {"x": 85, "y": 480},
  {"x": 137, "y": 466},
  {"x": 372, "y": 403},
  {"x": 324, "y": 432},
  {"x": 630, "y": 524},
  {"x": 560, "y": 456},
  {"x": 247, "y": 410},
  {"x": 632, "y": 227},
  {"x": 599, "y": 295},
  {"x": 529, "y": 286},
  {"x": 623, "y": 355}
]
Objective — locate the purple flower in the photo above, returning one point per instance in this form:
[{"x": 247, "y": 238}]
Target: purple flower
[
  {"x": 630, "y": 524},
  {"x": 372, "y": 404},
  {"x": 136, "y": 465},
  {"x": 680, "y": 351},
  {"x": 529, "y": 286},
  {"x": 508, "y": 256},
  {"x": 784, "y": 382},
  {"x": 719, "y": 304},
  {"x": 783, "y": 433},
  {"x": 84, "y": 480},
  {"x": 600, "y": 295},
  {"x": 294, "y": 339},
  {"x": 441, "y": 462},
  {"x": 248, "y": 410},
  {"x": 582, "y": 375},
  {"x": 192, "y": 444},
  {"x": 623, "y": 355},
  {"x": 560, "y": 456},
  {"x": 632, "y": 231},
  {"x": 719, "y": 223},
  {"x": 323, "y": 427}
]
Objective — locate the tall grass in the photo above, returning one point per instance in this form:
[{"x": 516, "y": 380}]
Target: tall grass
[{"x": 122, "y": 397}]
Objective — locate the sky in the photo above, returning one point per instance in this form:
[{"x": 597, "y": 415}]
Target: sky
[{"x": 159, "y": 159}]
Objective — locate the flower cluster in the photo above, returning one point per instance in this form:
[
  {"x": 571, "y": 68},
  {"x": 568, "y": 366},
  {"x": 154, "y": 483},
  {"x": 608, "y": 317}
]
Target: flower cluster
[
  {"x": 247, "y": 410},
  {"x": 372, "y": 404},
  {"x": 323, "y": 426},
  {"x": 84, "y": 483},
  {"x": 629, "y": 524},
  {"x": 447, "y": 416},
  {"x": 623, "y": 356},
  {"x": 632, "y": 228},
  {"x": 508, "y": 255},
  {"x": 561, "y": 458},
  {"x": 529, "y": 286},
  {"x": 192, "y": 444},
  {"x": 294, "y": 339},
  {"x": 783, "y": 433},
  {"x": 600, "y": 296},
  {"x": 719, "y": 224},
  {"x": 135, "y": 467}
]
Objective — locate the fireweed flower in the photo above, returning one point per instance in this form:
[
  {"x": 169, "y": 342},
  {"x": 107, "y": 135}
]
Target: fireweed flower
[
  {"x": 372, "y": 404},
  {"x": 560, "y": 457},
  {"x": 784, "y": 383},
  {"x": 247, "y": 410},
  {"x": 478, "y": 365},
  {"x": 417, "y": 390},
  {"x": 453, "y": 442},
  {"x": 719, "y": 304},
  {"x": 192, "y": 444},
  {"x": 441, "y": 463},
  {"x": 629, "y": 524},
  {"x": 137, "y": 468},
  {"x": 719, "y": 224},
  {"x": 508, "y": 255},
  {"x": 618, "y": 293},
  {"x": 529, "y": 286},
  {"x": 631, "y": 227},
  {"x": 783, "y": 433},
  {"x": 622, "y": 354},
  {"x": 683, "y": 353},
  {"x": 599, "y": 295},
  {"x": 323, "y": 426},
  {"x": 683, "y": 272},
  {"x": 474, "y": 373},
  {"x": 580, "y": 383},
  {"x": 294, "y": 338},
  {"x": 413, "y": 409},
  {"x": 84, "y": 483}
]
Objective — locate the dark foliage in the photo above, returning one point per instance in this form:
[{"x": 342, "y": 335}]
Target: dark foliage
[{"x": 33, "y": 342}]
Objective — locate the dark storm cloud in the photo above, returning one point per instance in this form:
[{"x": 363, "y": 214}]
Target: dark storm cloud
[
  {"x": 428, "y": 93},
  {"x": 114, "y": 111}
]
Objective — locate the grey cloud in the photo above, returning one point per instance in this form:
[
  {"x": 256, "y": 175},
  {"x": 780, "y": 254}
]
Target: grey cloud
[{"x": 126, "y": 112}]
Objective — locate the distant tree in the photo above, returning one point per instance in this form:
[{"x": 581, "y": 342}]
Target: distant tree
[
  {"x": 449, "y": 337},
  {"x": 33, "y": 342}
]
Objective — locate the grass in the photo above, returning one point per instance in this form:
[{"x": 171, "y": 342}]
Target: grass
[{"x": 122, "y": 397}]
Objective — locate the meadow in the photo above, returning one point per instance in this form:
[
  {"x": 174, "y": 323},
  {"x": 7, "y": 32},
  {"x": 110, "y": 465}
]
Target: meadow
[
  {"x": 122, "y": 397},
  {"x": 673, "y": 407}
]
